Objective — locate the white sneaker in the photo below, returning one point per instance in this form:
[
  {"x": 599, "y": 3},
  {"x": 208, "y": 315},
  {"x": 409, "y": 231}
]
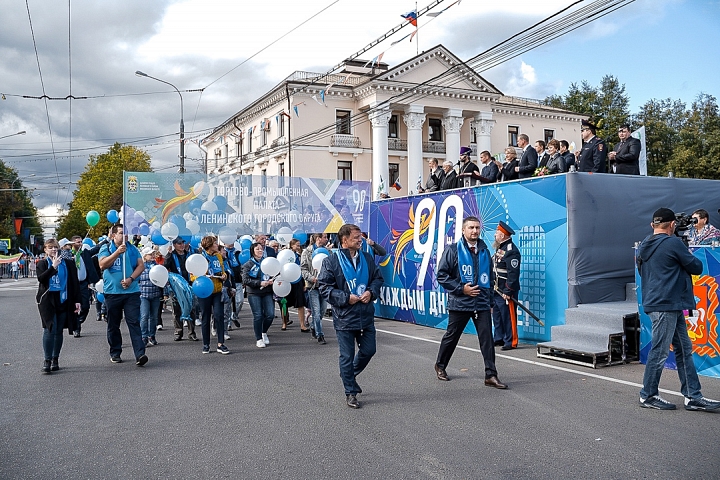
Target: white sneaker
[
  {"x": 260, "y": 344},
  {"x": 213, "y": 332},
  {"x": 198, "y": 323},
  {"x": 159, "y": 327},
  {"x": 227, "y": 337},
  {"x": 265, "y": 339}
]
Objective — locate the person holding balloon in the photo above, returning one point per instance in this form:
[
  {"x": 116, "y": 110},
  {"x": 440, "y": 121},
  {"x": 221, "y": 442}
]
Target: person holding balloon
[
  {"x": 296, "y": 298},
  {"x": 175, "y": 262},
  {"x": 310, "y": 264},
  {"x": 151, "y": 292},
  {"x": 83, "y": 252},
  {"x": 258, "y": 285}
]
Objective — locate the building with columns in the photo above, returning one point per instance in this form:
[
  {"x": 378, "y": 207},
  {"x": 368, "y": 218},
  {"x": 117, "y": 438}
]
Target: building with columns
[{"x": 374, "y": 122}]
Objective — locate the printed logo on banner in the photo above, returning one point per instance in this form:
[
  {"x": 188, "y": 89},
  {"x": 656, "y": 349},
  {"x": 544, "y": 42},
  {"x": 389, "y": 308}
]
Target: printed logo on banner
[
  {"x": 703, "y": 328},
  {"x": 132, "y": 184}
]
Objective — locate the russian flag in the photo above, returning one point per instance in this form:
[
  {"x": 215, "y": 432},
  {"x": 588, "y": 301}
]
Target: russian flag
[
  {"x": 397, "y": 185},
  {"x": 411, "y": 17}
]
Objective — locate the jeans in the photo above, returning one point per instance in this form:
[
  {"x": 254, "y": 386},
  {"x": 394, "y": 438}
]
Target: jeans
[
  {"x": 148, "y": 316},
  {"x": 457, "y": 320},
  {"x": 263, "y": 310},
  {"x": 318, "y": 304},
  {"x": 352, "y": 365},
  {"x": 212, "y": 305},
  {"x": 670, "y": 327},
  {"x": 53, "y": 338},
  {"x": 100, "y": 308},
  {"x": 84, "y": 303},
  {"x": 127, "y": 305},
  {"x": 177, "y": 318}
]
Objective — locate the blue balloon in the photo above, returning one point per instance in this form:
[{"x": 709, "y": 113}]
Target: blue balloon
[
  {"x": 244, "y": 256},
  {"x": 157, "y": 238},
  {"x": 100, "y": 297},
  {"x": 246, "y": 243},
  {"x": 195, "y": 241},
  {"x": 221, "y": 202},
  {"x": 89, "y": 242},
  {"x": 203, "y": 287},
  {"x": 321, "y": 250},
  {"x": 185, "y": 234},
  {"x": 300, "y": 236},
  {"x": 178, "y": 220},
  {"x": 144, "y": 229},
  {"x": 112, "y": 216},
  {"x": 194, "y": 206}
]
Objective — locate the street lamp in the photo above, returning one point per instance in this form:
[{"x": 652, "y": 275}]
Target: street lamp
[
  {"x": 13, "y": 134},
  {"x": 182, "y": 123}
]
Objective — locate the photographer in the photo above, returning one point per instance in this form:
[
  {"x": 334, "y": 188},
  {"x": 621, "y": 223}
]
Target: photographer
[{"x": 666, "y": 266}]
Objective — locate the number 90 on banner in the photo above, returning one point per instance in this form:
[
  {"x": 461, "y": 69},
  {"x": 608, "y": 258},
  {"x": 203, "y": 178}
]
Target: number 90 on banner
[{"x": 436, "y": 222}]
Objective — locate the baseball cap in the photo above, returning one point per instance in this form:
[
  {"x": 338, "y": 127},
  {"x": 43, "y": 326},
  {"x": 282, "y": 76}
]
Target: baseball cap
[
  {"x": 147, "y": 251},
  {"x": 179, "y": 240},
  {"x": 663, "y": 215}
]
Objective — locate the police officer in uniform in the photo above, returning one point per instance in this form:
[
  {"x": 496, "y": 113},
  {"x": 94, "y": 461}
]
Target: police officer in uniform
[
  {"x": 594, "y": 151},
  {"x": 506, "y": 263}
]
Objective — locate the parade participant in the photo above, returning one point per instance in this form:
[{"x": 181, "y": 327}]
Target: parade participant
[
  {"x": 316, "y": 302},
  {"x": 122, "y": 265},
  {"x": 665, "y": 266},
  {"x": 175, "y": 263},
  {"x": 435, "y": 177},
  {"x": 267, "y": 250},
  {"x": 296, "y": 297},
  {"x": 236, "y": 300},
  {"x": 529, "y": 160},
  {"x": 87, "y": 275},
  {"x": 468, "y": 169},
  {"x": 592, "y": 156},
  {"x": 625, "y": 158},
  {"x": 507, "y": 170},
  {"x": 58, "y": 300},
  {"x": 465, "y": 272},
  {"x": 506, "y": 265},
  {"x": 350, "y": 281},
  {"x": 212, "y": 304},
  {"x": 259, "y": 290},
  {"x": 702, "y": 233},
  {"x": 150, "y": 296},
  {"x": 450, "y": 180}
]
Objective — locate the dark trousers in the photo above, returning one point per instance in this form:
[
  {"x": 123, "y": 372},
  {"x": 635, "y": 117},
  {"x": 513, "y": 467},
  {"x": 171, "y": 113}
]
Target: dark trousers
[
  {"x": 212, "y": 305},
  {"x": 504, "y": 321},
  {"x": 177, "y": 312},
  {"x": 457, "y": 321},
  {"x": 127, "y": 305},
  {"x": 352, "y": 365},
  {"x": 84, "y": 303},
  {"x": 53, "y": 337}
]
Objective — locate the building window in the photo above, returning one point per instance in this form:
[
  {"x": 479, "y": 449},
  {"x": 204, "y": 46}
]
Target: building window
[
  {"x": 342, "y": 122},
  {"x": 549, "y": 135},
  {"x": 473, "y": 133},
  {"x": 393, "y": 127},
  {"x": 249, "y": 141},
  {"x": 513, "y": 132},
  {"x": 344, "y": 170},
  {"x": 435, "y": 130},
  {"x": 238, "y": 148},
  {"x": 281, "y": 169},
  {"x": 394, "y": 172},
  {"x": 263, "y": 177},
  {"x": 281, "y": 124},
  {"x": 264, "y": 136}
]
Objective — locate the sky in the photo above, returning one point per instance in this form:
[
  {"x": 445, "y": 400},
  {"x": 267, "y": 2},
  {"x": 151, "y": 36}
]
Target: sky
[{"x": 656, "y": 48}]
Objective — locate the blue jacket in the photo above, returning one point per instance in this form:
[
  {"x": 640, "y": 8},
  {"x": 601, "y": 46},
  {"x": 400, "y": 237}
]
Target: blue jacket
[
  {"x": 666, "y": 266},
  {"x": 333, "y": 287},
  {"x": 448, "y": 276}
]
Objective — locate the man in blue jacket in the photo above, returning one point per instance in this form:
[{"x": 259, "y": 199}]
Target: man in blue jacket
[
  {"x": 350, "y": 281},
  {"x": 465, "y": 272},
  {"x": 666, "y": 266}
]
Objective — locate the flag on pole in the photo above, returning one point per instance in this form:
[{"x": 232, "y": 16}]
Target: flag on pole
[
  {"x": 398, "y": 41},
  {"x": 381, "y": 187},
  {"x": 397, "y": 185},
  {"x": 295, "y": 109},
  {"x": 640, "y": 135},
  {"x": 411, "y": 17}
]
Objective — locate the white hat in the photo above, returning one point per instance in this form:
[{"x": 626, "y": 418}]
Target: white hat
[
  {"x": 63, "y": 242},
  {"x": 147, "y": 251}
]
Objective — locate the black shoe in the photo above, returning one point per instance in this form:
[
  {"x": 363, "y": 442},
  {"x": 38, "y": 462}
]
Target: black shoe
[
  {"x": 116, "y": 359},
  {"x": 494, "y": 382},
  {"x": 177, "y": 338},
  {"x": 46, "y": 367},
  {"x": 441, "y": 374},
  {"x": 237, "y": 324},
  {"x": 352, "y": 401},
  {"x": 141, "y": 360},
  {"x": 76, "y": 334},
  {"x": 507, "y": 347},
  {"x": 193, "y": 337},
  {"x": 312, "y": 332},
  {"x": 54, "y": 365},
  {"x": 499, "y": 343},
  {"x": 321, "y": 340}
]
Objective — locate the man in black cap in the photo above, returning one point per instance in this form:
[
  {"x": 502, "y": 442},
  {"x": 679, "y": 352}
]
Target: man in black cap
[
  {"x": 594, "y": 152},
  {"x": 469, "y": 171},
  {"x": 175, "y": 263},
  {"x": 666, "y": 266},
  {"x": 506, "y": 264},
  {"x": 625, "y": 159}
]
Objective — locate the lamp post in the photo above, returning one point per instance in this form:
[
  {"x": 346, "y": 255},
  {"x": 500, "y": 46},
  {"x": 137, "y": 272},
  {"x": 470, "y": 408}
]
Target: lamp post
[
  {"x": 13, "y": 134},
  {"x": 182, "y": 122}
]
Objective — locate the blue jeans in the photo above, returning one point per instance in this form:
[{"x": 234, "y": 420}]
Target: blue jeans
[
  {"x": 670, "y": 327},
  {"x": 127, "y": 305},
  {"x": 263, "y": 310},
  {"x": 149, "y": 316},
  {"x": 352, "y": 365},
  {"x": 318, "y": 304},
  {"x": 212, "y": 305},
  {"x": 53, "y": 339}
]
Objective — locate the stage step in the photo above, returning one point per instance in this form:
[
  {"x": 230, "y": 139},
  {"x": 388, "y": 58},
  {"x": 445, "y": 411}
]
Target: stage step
[{"x": 593, "y": 334}]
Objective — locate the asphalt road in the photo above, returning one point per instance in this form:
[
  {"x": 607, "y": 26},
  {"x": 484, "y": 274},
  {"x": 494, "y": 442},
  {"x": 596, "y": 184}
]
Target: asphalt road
[{"x": 280, "y": 412}]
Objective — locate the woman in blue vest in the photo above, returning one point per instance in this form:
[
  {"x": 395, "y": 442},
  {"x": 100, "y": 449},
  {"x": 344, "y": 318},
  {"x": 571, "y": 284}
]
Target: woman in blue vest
[
  {"x": 259, "y": 288},
  {"x": 213, "y": 303},
  {"x": 58, "y": 300}
]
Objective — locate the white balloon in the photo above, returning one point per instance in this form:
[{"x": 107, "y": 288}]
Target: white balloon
[
  {"x": 156, "y": 225},
  {"x": 286, "y": 256},
  {"x": 158, "y": 275},
  {"x": 270, "y": 266},
  {"x": 99, "y": 287},
  {"x": 187, "y": 216},
  {"x": 164, "y": 249},
  {"x": 209, "y": 206},
  {"x": 247, "y": 237},
  {"x": 317, "y": 261},
  {"x": 284, "y": 235},
  {"x": 196, "y": 264},
  {"x": 193, "y": 226},
  {"x": 281, "y": 288},
  {"x": 290, "y": 272},
  {"x": 169, "y": 231},
  {"x": 201, "y": 189},
  {"x": 237, "y": 246},
  {"x": 227, "y": 235},
  {"x": 144, "y": 240}
]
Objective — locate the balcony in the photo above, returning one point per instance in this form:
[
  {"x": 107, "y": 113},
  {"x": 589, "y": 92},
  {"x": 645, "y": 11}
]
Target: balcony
[
  {"x": 433, "y": 147},
  {"x": 397, "y": 144},
  {"x": 344, "y": 141},
  {"x": 278, "y": 142}
]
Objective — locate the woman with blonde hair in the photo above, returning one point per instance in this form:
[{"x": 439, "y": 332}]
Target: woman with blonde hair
[{"x": 212, "y": 304}]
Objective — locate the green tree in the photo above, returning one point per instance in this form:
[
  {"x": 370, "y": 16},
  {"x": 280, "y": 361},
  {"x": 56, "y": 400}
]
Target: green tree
[
  {"x": 697, "y": 154},
  {"x": 16, "y": 204},
  {"x": 100, "y": 188},
  {"x": 663, "y": 121}
]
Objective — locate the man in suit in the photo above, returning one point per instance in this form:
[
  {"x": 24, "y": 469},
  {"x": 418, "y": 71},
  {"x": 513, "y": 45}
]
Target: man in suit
[
  {"x": 529, "y": 159},
  {"x": 567, "y": 155},
  {"x": 469, "y": 171},
  {"x": 594, "y": 152},
  {"x": 435, "y": 177},
  {"x": 625, "y": 159},
  {"x": 487, "y": 171},
  {"x": 450, "y": 180},
  {"x": 543, "y": 156}
]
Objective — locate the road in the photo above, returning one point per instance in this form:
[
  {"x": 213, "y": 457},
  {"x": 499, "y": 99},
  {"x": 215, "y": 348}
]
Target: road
[{"x": 280, "y": 412}]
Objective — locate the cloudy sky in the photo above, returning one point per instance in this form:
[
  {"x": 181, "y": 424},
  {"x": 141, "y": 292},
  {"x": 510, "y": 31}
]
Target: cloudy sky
[{"x": 657, "y": 48}]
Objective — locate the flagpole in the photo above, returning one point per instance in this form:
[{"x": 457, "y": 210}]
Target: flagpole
[{"x": 417, "y": 44}]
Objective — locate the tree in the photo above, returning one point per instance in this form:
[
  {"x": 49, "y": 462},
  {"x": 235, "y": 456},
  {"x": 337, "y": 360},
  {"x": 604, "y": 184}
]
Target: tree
[
  {"x": 16, "y": 204},
  {"x": 663, "y": 121},
  {"x": 100, "y": 188},
  {"x": 698, "y": 152}
]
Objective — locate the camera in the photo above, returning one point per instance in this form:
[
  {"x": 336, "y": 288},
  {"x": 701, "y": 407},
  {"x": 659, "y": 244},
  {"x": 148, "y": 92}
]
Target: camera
[{"x": 682, "y": 224}]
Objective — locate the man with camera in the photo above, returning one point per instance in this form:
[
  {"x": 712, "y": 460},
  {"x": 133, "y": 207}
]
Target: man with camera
[{"x": 666, "y": 265}]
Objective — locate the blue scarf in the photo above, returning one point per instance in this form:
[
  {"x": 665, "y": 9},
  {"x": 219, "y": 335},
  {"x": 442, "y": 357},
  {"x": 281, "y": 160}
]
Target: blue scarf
[
  {"x": 468, "y": 272},
  {"x": 255, "y": 270},
  {"x": 117, "y": 266},
  {"x": 215, "y": 266},
  {"x": 232, "y": 259},
  {"x": 357, "y": 277},
  {"x": 58, "y": 282},
  {"x": 366, "y": 247},
  {"x": 297, "y": 259}
]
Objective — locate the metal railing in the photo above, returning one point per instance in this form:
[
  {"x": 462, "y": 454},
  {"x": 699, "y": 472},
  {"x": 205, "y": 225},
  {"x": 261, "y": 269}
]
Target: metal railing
[
  {"x": 433, "y": 147},
  {"x": 346, "y": 141},
  {"x": 397, "y": 144}
]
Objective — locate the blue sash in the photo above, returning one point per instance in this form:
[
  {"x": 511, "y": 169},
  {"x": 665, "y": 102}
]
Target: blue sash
[
  {"x": 58, "y": 282},
  {"x": 232, "y": 260},
  {"x": 366, "y": 247},
  {"x": 297, "y": 259},
  {"x": 357, "y": 277},
  {"x": 215, "y": 266},
  {"x": 117, "y": 265},
  {"x": 468, "y": 274},
  {"x": 255, "y": 270}
]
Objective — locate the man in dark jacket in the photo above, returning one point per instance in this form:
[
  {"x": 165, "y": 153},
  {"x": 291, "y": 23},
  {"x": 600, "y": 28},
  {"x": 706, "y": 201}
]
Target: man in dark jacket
[
  {"x": 625, "y": 159},
  {"x": 449, "y": 181},
  {"x": 506, "y": 265},
  {"x": 567, "y": 155},
  {"x": 87, "y": 275},
  {"x": 529, "y": 160},
  {"x": 350, "y": 281},
  {"x": 666, "y": 266},
  {"x": 591, "y": 158},
  {"x": 175, "y": 263},
  {"x": 465, "y": 272}
]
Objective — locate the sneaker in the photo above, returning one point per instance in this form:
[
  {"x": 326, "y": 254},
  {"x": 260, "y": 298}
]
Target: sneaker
[
  {"x": 237, "y": 324},
  {"x": 159, "y": 327},
  {"x": 206, "y": 349},
  {"x": 141, "y": 360},
  {"x": 658, "y": 403},
  {"x": 177, "y": 338},
  {"x": 321, "y": 340},
  {"x": 227, "y": 337},
  {"x": 54, "y": 365},
  {"x": 260, "y": 344},
  {"x": 702, "y": 404},
  {"x": 152, "y": 341},
  {"x": 76, "y": 334},
  {"x": 146, "y": 341},
  {"x": 223, "y": 349},
  {"x": 352, "y": 401},
  {"x": 193, "y": 337},
  {"x": 116, "y": 359},
  {"x": 46, "y": 368},
  {"x": 312, "y": 332},
  {"x": 265, "y": 339},
  {"x": 198, "y": 323}
]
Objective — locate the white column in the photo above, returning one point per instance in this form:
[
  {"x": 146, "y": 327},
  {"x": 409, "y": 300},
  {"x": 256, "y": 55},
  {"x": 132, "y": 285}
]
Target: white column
[
  {"x": 484, "y": 124},
  {"x": 452, "y": 122},
  {"x": 414, "y": 119},
  {"x": 379, "y": 119}
]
